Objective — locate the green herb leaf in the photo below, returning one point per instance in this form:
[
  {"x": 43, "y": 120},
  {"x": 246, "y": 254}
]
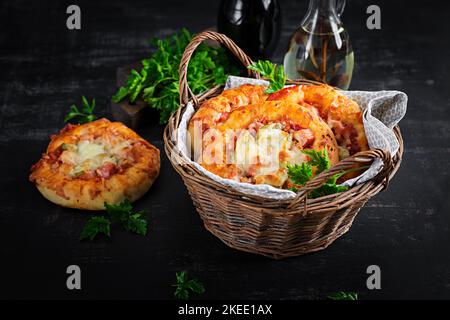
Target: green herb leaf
[
  {"x": 319, "y": 159},
  {"x": 342, "y": 295},
  {"x": 181, "y": 277},
  {"x": 136, "y": 224},
  {"x": 85, "y": 115},
  {"x": 185, "y": 286},
  {"x": 120, "y": 95},
  {"x": 95, "y": 226},
  {"x": 181, "y": 293},
  {"x": 300, "y": 174},
  {"x": 195, "y": 286},
  {"x": 122, "y": 213},
  {"x": 265, "y": 68},
  {"x": 274, "y": 73},
  {"x": 328, "y": 188}
]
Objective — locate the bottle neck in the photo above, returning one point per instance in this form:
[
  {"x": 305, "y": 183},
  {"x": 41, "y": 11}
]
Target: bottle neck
[
  {"x": 322, "y": 17},
  {"x": 322, "y": 5}
]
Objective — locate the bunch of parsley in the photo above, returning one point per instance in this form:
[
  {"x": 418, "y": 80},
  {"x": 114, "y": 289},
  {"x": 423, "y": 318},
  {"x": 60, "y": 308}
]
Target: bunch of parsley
[
  {"x": 157, "y": 81},
  {"x": 301, "y": 174},
  {"x": 122, "y": 214}
]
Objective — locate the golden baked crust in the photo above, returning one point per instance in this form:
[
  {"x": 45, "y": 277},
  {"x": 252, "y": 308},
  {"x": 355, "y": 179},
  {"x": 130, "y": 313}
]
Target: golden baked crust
[
  {"x": 217, "y": 109},
  {"x": 341, "y": 113},
  {"x": 101, "y": 161},
  {"x": 268, "y": 136},
  {"x": 237, "y": 121}
]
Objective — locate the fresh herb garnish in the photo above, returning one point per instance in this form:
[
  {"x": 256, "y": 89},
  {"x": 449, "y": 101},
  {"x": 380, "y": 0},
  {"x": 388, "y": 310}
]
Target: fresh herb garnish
[
  {"x": 185, "y": 287},
  {"x": 319, "y": 159},
  {"x": 301, "y": 174},
  {"x": 330, "y": 187},
  {"x": 272, "y": 72},
  {"x": 95, "y": 226},
  {"x": 342, "y": 295},
  {"x": 157, "y": 81},
  {"x": 122, "y": 214},
  {"x": 85, "y": 115}
]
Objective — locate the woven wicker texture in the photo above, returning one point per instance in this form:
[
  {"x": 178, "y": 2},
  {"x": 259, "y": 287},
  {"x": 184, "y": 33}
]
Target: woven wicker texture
[{"x": 273, "y": 228}]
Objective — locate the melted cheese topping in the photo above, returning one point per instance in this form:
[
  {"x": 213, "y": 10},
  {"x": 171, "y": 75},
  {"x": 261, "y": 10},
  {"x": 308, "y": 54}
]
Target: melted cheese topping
[
  {"x": 87, "y": 151},
  {"x": 246, "y": 151},
  {"x": 87, "y": 155},
  {"x": 266, "y": 155}
]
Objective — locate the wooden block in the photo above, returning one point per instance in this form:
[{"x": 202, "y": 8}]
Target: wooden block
[{"x": 132, "y": 115}]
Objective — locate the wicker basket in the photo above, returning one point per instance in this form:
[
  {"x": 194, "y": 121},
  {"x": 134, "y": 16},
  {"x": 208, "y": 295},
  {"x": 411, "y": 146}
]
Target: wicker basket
[{"x": 271, "y": 228}]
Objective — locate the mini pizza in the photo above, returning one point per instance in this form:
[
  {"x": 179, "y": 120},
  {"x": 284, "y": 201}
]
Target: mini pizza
[
  {"x": 101, "y": 161},
  {"x": 341, "y": 113},
  {"x": 257, "y": 142},
  {"x": 248, "y": 136},
  {"x": 217, "y": 109}
]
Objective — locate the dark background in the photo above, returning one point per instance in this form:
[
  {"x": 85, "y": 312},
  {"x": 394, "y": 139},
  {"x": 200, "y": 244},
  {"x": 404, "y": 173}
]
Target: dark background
[{"x": 45, "y": 68}]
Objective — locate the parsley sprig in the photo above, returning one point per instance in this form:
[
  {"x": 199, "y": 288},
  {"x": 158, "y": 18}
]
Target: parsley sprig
[
  {"x": 272, "y": 72},
  {"x": 301, "y": 174},
  {"x": 122, "y": 214},
  {"x": 319, "y": 159},
  {"x": 184, "y": 286},
  {"x": 157, "y": 80},
  {"x": 343, "y": 295},
  {"x": 95, "y": 226},
  {"x": 85, "y": 115},
  {"x": 132, "y": 222}
]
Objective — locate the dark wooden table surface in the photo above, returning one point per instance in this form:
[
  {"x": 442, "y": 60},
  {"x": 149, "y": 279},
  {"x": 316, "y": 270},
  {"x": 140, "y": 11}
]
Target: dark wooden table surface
[{"x": 45, "y": 68}]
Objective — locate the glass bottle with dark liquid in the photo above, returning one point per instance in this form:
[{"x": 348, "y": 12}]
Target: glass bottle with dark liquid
[
  {"x": 320, "y": 48},
  {"x": 254, "y": 25}
]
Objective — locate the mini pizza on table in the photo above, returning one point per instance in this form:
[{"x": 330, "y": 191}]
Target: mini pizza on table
[{"x": 101, "y": 161}]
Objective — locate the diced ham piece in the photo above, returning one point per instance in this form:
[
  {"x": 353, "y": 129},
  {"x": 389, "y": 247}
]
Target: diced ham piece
[
  {"x": 107, "y": 170},
  {"x": 55, "y": 154},
  {"x": 254, "y": 127},
  {"x": 224, "y": 116},
  {"x": 290, "y": 126},
  {"x": 305, "y": 137},
  {"x": 88, "y": 175}
]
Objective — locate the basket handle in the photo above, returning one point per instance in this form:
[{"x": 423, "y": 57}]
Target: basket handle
[
  {"x": 364, "y": 157},
  {"x": 185, "y": 91}
]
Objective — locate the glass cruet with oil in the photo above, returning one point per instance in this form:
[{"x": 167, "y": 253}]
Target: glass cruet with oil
[{"x": 320, "y": 48}]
